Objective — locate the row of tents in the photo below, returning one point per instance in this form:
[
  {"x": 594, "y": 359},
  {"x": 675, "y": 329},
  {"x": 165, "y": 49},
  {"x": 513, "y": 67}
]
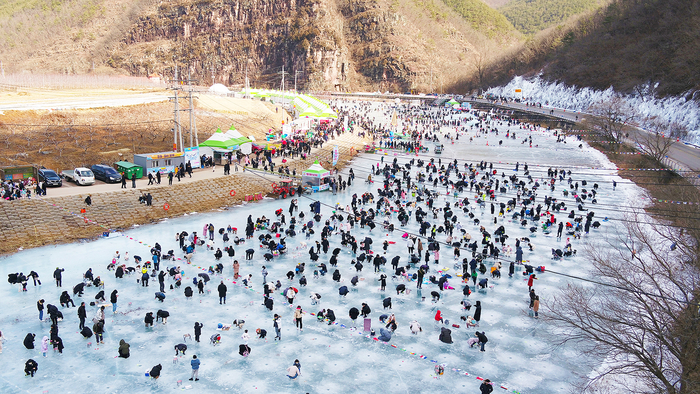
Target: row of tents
[{"x": 305, "y": 106}]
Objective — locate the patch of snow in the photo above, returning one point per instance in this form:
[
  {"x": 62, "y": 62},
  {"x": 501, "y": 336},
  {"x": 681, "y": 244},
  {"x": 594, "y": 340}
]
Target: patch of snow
[{"x": 675, "y": 109}]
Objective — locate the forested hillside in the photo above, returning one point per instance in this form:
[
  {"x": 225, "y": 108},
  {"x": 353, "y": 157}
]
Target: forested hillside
[
  {"x": 532, "y": 16},
  {"x": 628, "y": 44},
  {"x": 482, "y": 17}
]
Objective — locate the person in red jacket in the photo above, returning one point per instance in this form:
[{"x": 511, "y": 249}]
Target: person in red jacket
[{"x": 530, "y": 281}]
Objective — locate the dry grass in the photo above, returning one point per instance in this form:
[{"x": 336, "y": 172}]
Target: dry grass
[{"x": 66, "y": 139}]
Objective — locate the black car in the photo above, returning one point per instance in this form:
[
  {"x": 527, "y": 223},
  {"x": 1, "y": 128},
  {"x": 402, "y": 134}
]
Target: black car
[
  {"x": 50, "y": 177},
  {"x": 106, "y": 173}
]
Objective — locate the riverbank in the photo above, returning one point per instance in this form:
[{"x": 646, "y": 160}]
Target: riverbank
[{"x": 55, "y": 220}]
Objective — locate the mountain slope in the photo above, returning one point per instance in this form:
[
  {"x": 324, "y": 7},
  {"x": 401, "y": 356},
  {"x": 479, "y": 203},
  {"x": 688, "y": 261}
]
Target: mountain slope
[
  {"x": 532, "y": 16},
  {"x": 330, "y": 44},
  {"x": 322, "y": 44},
  {"x": 627, "y": 44},
  {"x": 482, "y": 17}
]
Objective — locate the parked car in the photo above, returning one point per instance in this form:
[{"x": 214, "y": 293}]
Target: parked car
[
  {"x": 106, "y": 173},
  {"x": 81, "y": 176},
  {"x": 50, "y": 177}
]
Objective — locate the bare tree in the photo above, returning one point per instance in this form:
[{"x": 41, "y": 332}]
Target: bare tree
[
  {"x": 60, "y": 139},
  {"x": 659, "y": 138},
  {"x": 610, "y": 118},
  {"x": 645, "y": 322},
  {"x": 480, "y": 58},
  {"x": 5, "y": 138}
]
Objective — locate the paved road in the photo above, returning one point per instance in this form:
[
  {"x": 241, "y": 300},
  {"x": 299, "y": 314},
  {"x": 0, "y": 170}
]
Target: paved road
[
  {"x": 84, "y": 102},
  {"x": 70, "y": 188},
  {"x": 682, "y": 155}
]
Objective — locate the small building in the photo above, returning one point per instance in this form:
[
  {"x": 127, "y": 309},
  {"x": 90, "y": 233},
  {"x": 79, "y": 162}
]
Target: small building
[
  {"x": 162, "y": 162},
  {"x": 128, "y": 169},
  {"x": 16, "y": 173}
]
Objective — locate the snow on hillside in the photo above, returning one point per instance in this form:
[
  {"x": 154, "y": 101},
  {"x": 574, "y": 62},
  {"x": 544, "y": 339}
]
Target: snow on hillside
[{"x": 559, "y": 95}]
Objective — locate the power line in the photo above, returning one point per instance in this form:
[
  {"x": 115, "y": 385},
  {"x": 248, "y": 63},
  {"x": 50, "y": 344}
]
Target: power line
[{"x": 86, "y": 125}]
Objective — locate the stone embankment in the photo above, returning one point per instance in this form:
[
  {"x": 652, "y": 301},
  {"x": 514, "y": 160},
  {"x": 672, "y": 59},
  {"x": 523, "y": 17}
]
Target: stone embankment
[{"x": 52, "y": 220}]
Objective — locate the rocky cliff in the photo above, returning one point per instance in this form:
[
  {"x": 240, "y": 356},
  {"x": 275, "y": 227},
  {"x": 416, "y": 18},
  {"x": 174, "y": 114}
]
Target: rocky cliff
[{"x": 324, "y": 44}]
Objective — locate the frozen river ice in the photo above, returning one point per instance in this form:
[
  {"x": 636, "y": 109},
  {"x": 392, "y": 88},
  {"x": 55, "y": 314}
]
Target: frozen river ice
[{"x": 519, "y": 356}]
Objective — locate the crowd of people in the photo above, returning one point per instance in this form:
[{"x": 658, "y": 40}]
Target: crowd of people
[{"x": 441, "y": 199}]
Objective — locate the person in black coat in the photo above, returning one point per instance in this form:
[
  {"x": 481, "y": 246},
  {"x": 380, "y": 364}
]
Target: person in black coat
[
  {"x": 79, "y": 289},
  {"x": 65, "y": 300},
  {"x": 86, "y": 332},
  {"x": 155, "y": 371},
  {"x": 188, "y": 292},
  {"x": 161, "y": 281},
  {"x": 29, "y": 341},
  {"x": 162, "y": 315},
  {"x": 180, "y": 348},
  {"x": 269, "y": 304},
  {"x": 58, "y": 276},
  {"x": 336, "y": 276},
  {"x": 58, "y": 344},
  {"x": 486, "y": 387},
  {"x": 354, "y": 313},
  {"x": 445, "y": 335},
  {"x": 387, "y": 303},
  {"x": 82, "y": 315},
  {"x": 243, "y": 350},
  {"x": 365, "y": 310},
  {"x": 148, "y": 320},
  {"x": 53, "y": 332},
  {"x": 30, "y": 367},
  {"x": 124, "y": 349},
  {"x": 466, "y": 291},
  {"x": 100, "y": 297},
  {"x": 382, "y": 282},
  {"x": 113, "y": 299},
  {"x": 482, "y": 339},
  {"x": 222, "y": 292},
  {"x": 330, "y": 315},
  {"x": 54, "y": 313},
  {"x": 477, "y": 311},
  {"x": 197, "y": 330}
]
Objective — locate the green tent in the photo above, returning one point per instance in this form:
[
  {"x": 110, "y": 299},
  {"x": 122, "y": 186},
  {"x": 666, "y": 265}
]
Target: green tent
[{"x": 218, "y": 140}]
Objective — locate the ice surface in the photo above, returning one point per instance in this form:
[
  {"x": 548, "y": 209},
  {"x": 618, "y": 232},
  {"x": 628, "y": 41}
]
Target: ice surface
[
  {"x": 335, "y": 359},
  {"x": 678, "y": 109}
]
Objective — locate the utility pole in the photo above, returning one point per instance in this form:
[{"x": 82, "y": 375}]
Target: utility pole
[
  {"x": 295, "y": 80},
  {"x": 247, "y": 84},
  {"x": 193, "y": 121},
  {"x": 283, "y": 74},
  {"x": 177, "y": 114}
]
